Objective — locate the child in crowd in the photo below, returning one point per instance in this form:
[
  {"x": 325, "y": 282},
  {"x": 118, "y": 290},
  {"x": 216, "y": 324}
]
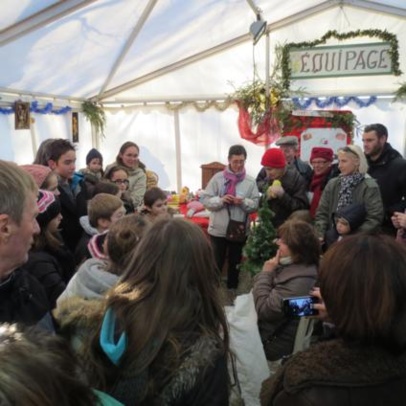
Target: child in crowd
[
  {"x": 106, "y": 187},
  {"x": 94, "y": 164},
  {"x": 110, "y": 252},
  {"x": 119, "y": 176},
  {"x": 347, "y": 221},
  {"x": 49, "y": 260},
  {"x": 43, "y": 176},
  {"x": 155, "y": 204},
  {"x": 61, "y": 156},
  {"x": 41, "y": 369},
  {"x": 103, "y": 210}
]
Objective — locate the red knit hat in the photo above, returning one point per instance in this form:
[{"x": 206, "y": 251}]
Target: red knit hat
[
  {"x": 322, "y": 153},
  {"x": 38, "y": 172},
  {"x": 274, "y": 158}
]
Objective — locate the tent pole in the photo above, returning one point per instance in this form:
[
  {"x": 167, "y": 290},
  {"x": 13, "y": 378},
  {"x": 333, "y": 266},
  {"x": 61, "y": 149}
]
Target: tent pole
[
  {"x": 178, "y": 151},
  {"x": 267, "y": 85}
]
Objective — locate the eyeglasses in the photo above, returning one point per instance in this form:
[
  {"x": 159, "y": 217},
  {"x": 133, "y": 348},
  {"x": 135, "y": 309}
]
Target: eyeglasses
[
  {"x": 318, "y": 162},
  {"x": 238, "y": 162},
  {"x": 121, "y": 181}
]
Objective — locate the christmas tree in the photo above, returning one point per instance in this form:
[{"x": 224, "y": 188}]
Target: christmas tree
[{"x": 260, "y": 245}]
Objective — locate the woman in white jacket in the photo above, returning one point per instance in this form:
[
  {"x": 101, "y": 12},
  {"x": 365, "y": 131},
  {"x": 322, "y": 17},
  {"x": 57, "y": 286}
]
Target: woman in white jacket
[{"x": 230, "y": 194}]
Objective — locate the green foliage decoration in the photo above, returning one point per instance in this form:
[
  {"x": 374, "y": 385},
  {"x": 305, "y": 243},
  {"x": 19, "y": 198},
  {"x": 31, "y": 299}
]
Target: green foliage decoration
[
  {"x": 373, "y": 33},
  {"x": 95, "y": 114},
  {"x": 260, "y": 245},
  {"x": 401, "y": 92}
]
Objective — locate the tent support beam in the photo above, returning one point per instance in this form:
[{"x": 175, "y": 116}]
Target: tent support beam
[
  {"x": 368, "y": 5},
  {"x": 43, "y": 17},
  {"x": 10, "y": 95},
  {"x": 140, "y": 23},
  {"x": 213, "y": 51}
]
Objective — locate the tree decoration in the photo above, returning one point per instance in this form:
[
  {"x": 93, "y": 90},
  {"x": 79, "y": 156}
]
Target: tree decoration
[
  {"x": 262, "y": 121},
  {"x": 260, "y": 245},
  {"x": 381, "y": 34},
  {"x": 95, "y": 114}
]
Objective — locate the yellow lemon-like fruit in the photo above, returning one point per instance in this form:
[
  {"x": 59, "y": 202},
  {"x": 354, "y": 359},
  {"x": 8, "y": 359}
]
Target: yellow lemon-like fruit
[{"x": 269, "y": 192}]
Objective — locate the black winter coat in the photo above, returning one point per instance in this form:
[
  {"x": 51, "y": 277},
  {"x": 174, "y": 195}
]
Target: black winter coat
[
  {"x": 294, "y": 198},
  {"x": 389, "y": 170},
  {"x": 52, "y": 270},
  {"x": 23, "y": 300}
]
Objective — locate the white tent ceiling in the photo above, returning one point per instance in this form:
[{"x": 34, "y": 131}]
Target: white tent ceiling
[
  {"x": 126, "y": 52},
  {"x": 163, "y": 49}
]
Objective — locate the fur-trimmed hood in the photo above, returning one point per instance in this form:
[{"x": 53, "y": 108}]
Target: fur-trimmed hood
[{"x": 336, "y": 364}]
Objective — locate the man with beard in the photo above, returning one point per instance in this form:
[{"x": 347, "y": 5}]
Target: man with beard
[{"x": 388, "y": 168}]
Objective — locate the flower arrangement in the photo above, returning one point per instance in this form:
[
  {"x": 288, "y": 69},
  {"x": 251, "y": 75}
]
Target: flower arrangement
[{"x": 261, "y": 120}]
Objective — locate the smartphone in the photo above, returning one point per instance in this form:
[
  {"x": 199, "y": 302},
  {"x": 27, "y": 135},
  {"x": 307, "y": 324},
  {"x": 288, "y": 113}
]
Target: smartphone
[{"x": 299, "y": 306}]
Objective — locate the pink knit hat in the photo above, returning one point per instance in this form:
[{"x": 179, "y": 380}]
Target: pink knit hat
[
  {"x": 38, "y": 172},
  {"x": 273, "y": 158},
  {"x": 95, "y": 246}
]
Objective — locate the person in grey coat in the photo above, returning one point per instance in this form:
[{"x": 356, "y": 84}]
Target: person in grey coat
[
  {"x": 292, "y": 272},
  {"x": 353, "y": 185}
]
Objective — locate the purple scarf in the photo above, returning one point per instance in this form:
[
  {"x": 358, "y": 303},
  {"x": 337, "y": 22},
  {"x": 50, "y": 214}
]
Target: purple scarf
[{"x": 231, "y": 180}]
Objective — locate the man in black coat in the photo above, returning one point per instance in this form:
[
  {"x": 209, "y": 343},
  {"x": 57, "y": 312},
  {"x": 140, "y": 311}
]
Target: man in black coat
[
  {"x": 388, "y": 168},
  {"x": 22, "y": 298}
]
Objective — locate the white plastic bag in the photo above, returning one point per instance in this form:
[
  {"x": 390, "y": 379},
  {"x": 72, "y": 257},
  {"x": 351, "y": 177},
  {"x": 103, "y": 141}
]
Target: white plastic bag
[{"x": 245, "y": 342}]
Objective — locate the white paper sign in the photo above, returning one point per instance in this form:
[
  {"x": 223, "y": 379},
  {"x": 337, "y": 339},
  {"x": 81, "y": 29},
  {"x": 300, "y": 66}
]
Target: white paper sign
[{"x": 334, "y": 138}]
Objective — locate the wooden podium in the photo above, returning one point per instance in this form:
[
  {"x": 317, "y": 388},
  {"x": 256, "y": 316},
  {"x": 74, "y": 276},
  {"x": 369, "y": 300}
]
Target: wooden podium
[{"x": 208, "y": 170}]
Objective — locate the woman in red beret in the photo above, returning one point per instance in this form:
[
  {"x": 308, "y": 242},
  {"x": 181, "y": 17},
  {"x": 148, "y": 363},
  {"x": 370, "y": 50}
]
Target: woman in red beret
[{"x": 321, "y": 159}]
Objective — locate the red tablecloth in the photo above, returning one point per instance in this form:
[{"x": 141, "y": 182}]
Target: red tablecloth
[{"x": 203, "y": 222}]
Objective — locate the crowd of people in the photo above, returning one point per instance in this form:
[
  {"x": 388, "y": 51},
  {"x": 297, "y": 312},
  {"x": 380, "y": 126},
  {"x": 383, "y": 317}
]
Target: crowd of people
[{"x": 105, "y": 299}]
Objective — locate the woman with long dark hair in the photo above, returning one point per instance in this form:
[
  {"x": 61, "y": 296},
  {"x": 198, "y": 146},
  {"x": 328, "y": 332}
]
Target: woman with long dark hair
[{"x": 163, "y": 336}]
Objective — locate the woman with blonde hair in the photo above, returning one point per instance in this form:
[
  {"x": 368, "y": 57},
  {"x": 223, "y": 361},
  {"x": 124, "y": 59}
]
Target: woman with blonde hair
[
  {"x": 353, "y": 185},
  {"x": 163, "y": 336}
]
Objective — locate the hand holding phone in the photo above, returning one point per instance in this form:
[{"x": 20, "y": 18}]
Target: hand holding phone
[{"x": 300, "y": 306}]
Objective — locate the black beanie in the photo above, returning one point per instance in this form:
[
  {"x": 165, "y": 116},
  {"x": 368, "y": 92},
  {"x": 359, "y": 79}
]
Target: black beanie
[
  {"x": 354, "y": 214},
  {"x": 49, "y": 207},
  {"x": 92, "y": 154}
]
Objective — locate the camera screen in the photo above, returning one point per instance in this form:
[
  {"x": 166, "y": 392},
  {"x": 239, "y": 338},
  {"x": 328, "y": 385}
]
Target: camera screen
[{"x": 300, "y": 306}]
